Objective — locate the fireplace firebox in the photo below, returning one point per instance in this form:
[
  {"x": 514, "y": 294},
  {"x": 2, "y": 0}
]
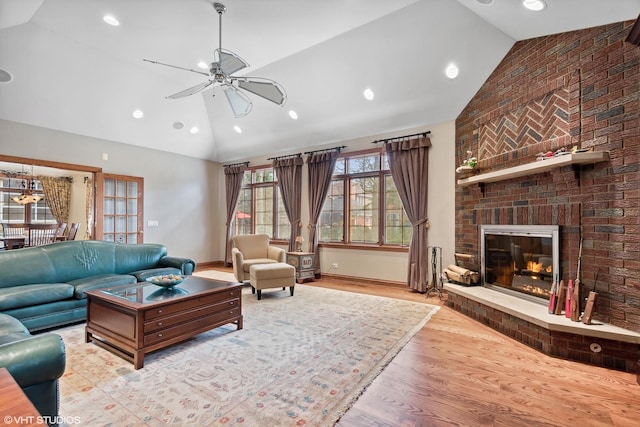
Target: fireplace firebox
[{"x": 520, "y": 259}]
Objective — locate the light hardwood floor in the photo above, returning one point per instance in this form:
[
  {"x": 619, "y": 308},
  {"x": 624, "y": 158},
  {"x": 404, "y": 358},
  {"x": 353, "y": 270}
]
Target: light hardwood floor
[{"x": 458, "y": 372}]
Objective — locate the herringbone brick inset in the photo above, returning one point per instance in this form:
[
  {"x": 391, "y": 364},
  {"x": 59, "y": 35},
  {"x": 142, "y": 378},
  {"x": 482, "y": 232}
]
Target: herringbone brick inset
[{"x": 545, "y": 119}]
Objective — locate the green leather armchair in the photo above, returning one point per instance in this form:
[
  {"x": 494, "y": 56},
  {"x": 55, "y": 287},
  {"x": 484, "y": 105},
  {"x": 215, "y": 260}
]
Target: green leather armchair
[{"x": 34, "y": 361}]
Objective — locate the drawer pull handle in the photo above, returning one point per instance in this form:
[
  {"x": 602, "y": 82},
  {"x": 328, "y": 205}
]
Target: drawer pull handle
[
  {"x": 160, "y": 311},
  {"x": 230, "y": 302},
  {"x": 159, "y": 323},
  {"x": 159, "y": 335}
]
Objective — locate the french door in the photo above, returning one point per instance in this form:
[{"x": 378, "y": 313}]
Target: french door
[{"x": 119, "y": 208}]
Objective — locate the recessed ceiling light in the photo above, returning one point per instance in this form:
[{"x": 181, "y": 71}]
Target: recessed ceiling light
[
  {"x": 138, "y": 114},
  {"x": 178, "y": 125},
  {"x": 111, "y": 20},
  {"x": 237, "y": 129},
  {"x": 194, "y": 130},
  {"x": 452, "y": 71},
  {"x": 368, "y": 94},
  {"x": 203, "y": 65},
  {"x": 5, "y": 76},
  {"x": 486, "y": 2},
  {"x": 535, "y": 5},
  {"x": 293, "y": 115}
]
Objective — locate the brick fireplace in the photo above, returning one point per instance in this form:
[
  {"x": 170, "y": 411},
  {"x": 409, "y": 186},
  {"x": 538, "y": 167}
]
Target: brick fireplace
[{"x": 577, "y": 89}]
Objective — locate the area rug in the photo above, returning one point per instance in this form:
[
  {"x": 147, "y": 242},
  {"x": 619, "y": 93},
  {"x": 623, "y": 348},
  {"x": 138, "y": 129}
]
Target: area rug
[{"x": 300, "y": 360}]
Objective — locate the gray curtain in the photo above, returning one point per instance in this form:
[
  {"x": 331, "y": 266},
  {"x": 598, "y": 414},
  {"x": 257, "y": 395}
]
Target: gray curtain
[
  {"x": 409, "y": 165},
  {"x": 289, "y": 174},
  {"x": 320, "y": 166},
  {"x": 233, "y": 176}
]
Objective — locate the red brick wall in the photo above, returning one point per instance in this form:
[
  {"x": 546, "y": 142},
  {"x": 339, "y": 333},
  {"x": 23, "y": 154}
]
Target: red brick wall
[{"x": 596, "y": 76}]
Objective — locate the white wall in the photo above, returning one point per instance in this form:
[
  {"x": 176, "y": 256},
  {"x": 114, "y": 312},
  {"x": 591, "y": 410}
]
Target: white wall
[{"x": 182, "y": 193}]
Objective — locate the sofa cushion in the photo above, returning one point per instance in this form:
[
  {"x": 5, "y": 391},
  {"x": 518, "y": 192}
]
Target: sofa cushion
[
  {"x": 143, "y": 275},
  {"x": 11, "y": 325},
  {"x": 246, "y": 266},
  {"x": 100, "y": 282},
  {"x": 27, "y": 295}
]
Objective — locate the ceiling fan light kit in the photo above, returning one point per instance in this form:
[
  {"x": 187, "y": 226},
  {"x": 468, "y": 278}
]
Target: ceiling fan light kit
[{"x": 221, "y": 71}]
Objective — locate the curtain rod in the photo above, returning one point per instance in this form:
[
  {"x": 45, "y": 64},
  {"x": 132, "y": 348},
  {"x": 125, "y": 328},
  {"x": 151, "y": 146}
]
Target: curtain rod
[
  {"x": 326, "y": 149},
  {"x": 401, "y": 137},
  {"x": 236, "y": 164},
  {"x": 285, "y": 156}
]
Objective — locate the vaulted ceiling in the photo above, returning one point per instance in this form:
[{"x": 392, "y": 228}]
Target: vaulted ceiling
[{"x": 72, "y": 72}]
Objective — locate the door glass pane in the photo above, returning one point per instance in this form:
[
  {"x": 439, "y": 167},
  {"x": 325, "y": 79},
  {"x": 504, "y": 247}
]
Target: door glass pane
[
  {"x": 121, "y": 207},
  {"x": 132, "y": 206},
  {"x": 132, "y": 189},
  {"x": 109, "y": 206},
  {"x": 121, "y": 224},
  {"x": 109, "y": 188},
  {"x": 121, "y": 188},
  {"x": 132, "y": 222}
]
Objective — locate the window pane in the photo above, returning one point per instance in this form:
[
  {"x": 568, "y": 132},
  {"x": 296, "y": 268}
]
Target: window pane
[
  {"x": 331, "y": 221},
  {"x": 339, "y": 168},
  {"x": 363, "y": 215},
  {"x": 264, "y": 175},
  {"x": 364, "y": 164},
  {"x": 398, "y": 229},
  {"x": 243, "y": 212},
  {"x": 264, "y": 210},
  {"x": 284, "y": 226},
  {"x": 246, "y": 178}
]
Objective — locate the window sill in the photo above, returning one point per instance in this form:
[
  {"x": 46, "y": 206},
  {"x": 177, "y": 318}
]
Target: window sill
[{"x": 387, "y": 248}]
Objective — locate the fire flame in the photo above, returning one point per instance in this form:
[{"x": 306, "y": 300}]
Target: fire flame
[{"x": 537, "y": 267}]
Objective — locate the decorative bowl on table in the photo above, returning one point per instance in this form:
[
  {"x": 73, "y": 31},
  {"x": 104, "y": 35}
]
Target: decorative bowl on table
[{"x": 166, "y": 280}]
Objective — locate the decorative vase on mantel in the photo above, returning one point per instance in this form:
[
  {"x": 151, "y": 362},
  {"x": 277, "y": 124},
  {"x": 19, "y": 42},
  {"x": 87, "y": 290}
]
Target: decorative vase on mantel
[
  {"x": 468, "y": 167},
  {"x": 466, "y": 171}
]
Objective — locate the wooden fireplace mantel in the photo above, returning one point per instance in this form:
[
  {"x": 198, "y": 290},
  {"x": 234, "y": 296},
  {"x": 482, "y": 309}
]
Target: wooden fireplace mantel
[{"x": 536, "y": 167}]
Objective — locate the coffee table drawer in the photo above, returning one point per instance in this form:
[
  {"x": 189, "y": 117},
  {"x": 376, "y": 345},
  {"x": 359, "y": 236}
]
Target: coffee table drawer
[
  {"x": 185, "y": 316},
  {"x": 191, "y": 304},
  {"x": 199, "y": 323}
]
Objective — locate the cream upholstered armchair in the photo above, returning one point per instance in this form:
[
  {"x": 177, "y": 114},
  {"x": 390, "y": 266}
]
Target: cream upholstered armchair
[{"x": 252, "y": 249}]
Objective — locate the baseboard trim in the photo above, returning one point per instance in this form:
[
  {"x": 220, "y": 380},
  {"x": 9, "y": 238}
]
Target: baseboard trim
[{"x": 360, "y": 280}]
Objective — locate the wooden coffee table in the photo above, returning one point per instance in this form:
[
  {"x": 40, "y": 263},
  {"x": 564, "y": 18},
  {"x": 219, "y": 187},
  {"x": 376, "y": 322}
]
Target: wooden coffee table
[{"x": 137, "y": 319}]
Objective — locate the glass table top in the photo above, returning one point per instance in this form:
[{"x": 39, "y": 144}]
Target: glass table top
[{"x": 147, "y": 292}]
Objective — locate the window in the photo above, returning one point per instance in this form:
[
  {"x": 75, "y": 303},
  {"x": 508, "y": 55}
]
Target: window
[
  {"x": 260, "y": 209},
  {"x": 373, "y": 209},
  {"x": 10, "y": 211}
]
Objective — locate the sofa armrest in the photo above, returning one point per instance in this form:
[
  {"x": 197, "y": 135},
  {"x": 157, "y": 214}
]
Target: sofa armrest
[
  {"x": 185, "y": 265},
  {"x": 279, "y": 254},
  {"x": 237, "y": 260},
  {"x": 35, "y": 359}
]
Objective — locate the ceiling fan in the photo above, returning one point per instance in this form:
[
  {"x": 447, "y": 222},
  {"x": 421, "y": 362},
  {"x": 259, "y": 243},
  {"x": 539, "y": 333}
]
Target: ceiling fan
[{"x": 221, "y": 72}]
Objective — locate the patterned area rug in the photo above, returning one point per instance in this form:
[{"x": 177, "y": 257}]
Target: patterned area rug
[{"x": 300, "y": 360}]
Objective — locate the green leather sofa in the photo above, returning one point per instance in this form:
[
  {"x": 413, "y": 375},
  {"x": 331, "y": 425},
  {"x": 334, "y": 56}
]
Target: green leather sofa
[
  {"x": 35, "y": 362},
  {"x": 44, "y": 286}
]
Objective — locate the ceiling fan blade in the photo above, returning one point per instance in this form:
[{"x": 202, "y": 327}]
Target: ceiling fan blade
[
  {"x": 239, "y": 102},
  {"x": 229, "y": 61},
  {"x": 190, "y": 91},
  {"x": 265, "y": 88}
]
